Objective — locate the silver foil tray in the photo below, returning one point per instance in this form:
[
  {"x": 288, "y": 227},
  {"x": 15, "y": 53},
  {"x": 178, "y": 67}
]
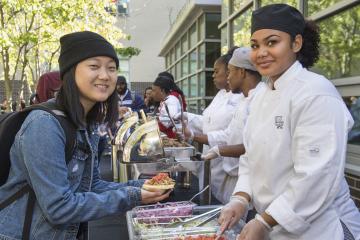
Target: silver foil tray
[{"x": 180, "y": 153}]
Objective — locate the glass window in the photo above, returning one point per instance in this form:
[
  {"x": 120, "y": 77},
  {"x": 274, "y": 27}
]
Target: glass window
[
  {"x": 293, "y": 3},
  {"x": 178, "y": 50},
  {"x": 172, "y": 55},
  {"x": 212, "y": 22},
  {"x": 211, "y": 90},
  {"x": 193, "y": 39},
  {"x": 201, "y": 28},
  {"x": 193, "y": 86},
  {"x": 184, "y": 66},
  {"x": 237, "y": 4},
  {"x": 353, "y": 104},
  {"x": 193, "y": 62},
  {"x": 224, "y": 40},
  {"x": 202, "y": 56},
  {"x": 212, "y": 53},
  {"x": 339, "y": 48},
  {"x": 185, "y": 87},
  {"x": 192, "y": 107},
  {"x": 318, "y": 5},
  {"x": 241, "y": 28},
  {"x": 224, "y": 9},
  {"x": 123, "y": 7},
  {"x": 173, "y": 72},
  {"x": 178, "y": 70},
  {"x": 184, "y": 44},
  {"x": 202, "y": 85}
]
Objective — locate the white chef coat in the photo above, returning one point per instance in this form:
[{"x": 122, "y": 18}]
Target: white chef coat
[
  {"x": 174, "y": 107},
  {"x": 233, "y": 134},
  {"x": 216, "y": 116},
  {"x": 293, "y": 168}
]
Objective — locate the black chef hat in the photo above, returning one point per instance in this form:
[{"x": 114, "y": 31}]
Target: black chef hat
[
  {"x": 280, "y": 17},
  {"x": 78, "y": 46}
]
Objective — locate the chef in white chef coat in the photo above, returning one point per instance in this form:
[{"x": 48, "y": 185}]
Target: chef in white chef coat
[
  {"x": 295, "y": 139},
  {"x": 218, "y": 114},
  {"x": 243, "y": 78}
]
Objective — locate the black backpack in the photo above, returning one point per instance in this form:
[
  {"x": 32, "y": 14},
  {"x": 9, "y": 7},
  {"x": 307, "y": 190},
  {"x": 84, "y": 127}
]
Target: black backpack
[{"x": 10, "y": 124}]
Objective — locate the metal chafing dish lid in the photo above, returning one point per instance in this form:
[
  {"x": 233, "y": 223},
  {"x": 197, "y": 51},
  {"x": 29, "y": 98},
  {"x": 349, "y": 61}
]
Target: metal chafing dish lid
[
  {"x": 121, "y": 134},
  {"x": 144, "y": 144}
]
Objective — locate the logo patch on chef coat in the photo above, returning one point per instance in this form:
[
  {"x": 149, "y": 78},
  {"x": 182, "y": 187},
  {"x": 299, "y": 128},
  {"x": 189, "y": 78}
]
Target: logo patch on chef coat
[
  {"x": 314, "y": 150},
  {"x": 279, "y": 123}
]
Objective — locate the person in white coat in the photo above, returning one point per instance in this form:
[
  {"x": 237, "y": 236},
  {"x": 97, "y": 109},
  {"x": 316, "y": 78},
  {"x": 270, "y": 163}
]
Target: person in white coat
[
  {"x": 295, "y": 139},
  {"x": 244, "y": 79},
  {"x": 216, "y": 116}
]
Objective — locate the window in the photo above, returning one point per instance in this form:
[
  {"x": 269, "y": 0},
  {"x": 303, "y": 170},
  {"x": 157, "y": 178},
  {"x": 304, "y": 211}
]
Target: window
[
  {"x": 212, "y": 53},
  {"x": 123, "y": 7},
  {"x": 193, "y": 39},
  {"x": 293, "y": 3},
  {"x": 184, "y": 44},
  {"x": 193, "y": 86},
  {"x": 202, "y": 55},
  {"x": 202, "y": 84},
  {"x": 184, "y": 66},
  {"x": 224, "y": 40},
  {"x": 178, "y": 50},
  {"x": 224, "y": 10},
  {"x": 237, "y": 4},
  {"x": 193, "y": 61},
  {"x": 211, "y": 90},
  {"x": 241, "y": 27},
  {"x": 178, "y": 70},
  {"x": 318, "y": 5},
  {"x": 201, "y": 28},
  {"x": 185, "y": 87},
  {"x": 339, "y": 48},
  {"x": 353, "y": 104},
  {"x": 212, "y": 22}
]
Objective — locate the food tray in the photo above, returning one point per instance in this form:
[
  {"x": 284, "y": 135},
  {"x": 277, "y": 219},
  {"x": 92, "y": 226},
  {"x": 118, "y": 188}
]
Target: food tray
[
  {"x": 180, "y": 153},
  {"x": 180, "y": 233},
  {"x": 162, "y": 212}
]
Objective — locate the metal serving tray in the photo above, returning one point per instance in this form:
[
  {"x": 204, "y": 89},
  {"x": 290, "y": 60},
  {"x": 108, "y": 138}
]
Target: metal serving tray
[
  {"x": 135, "y": 234},
  {"x": 180, "y": 153}
]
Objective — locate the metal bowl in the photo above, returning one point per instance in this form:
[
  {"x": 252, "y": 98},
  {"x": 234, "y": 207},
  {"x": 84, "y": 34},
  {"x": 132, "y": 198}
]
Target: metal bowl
[
  {"x": 144, "y": 144},
  {"x": 124, "y": 130}
]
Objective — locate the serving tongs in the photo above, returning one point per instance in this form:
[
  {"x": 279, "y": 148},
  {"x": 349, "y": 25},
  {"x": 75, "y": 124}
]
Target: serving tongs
[{"x": 212, "y": 214}]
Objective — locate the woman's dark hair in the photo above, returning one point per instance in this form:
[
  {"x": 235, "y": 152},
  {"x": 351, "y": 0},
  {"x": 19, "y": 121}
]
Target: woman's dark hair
[
  {"x": 148, "y": 88},
  {"x": 309, "y": 53},
  {"x": 168, "y": 75},
  {"x": 224, "y": 59},
  {"x": 68, "y": 98},
  {"x": 167, "y": 85}
]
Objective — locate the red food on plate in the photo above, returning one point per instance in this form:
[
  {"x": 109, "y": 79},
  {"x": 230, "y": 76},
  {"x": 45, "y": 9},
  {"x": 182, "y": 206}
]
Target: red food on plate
[{"x": 161, "y": 181}]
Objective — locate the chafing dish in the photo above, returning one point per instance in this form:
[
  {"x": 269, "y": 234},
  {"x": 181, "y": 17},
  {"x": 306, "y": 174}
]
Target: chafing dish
[{"x": 144, "y": 144}]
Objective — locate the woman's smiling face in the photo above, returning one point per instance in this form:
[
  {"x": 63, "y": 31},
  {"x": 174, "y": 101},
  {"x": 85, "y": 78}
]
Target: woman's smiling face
[
  {"x": 96, "y": 80},
  {"x": 273, "y": 52}
]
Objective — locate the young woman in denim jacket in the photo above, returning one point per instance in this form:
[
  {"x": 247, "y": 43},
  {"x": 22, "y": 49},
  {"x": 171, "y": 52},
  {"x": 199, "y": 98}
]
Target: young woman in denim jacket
[{"x": 68, "y": 194}]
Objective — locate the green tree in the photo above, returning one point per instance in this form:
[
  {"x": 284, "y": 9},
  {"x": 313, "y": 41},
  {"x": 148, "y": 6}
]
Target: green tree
[{"x": 30, "y": 32}]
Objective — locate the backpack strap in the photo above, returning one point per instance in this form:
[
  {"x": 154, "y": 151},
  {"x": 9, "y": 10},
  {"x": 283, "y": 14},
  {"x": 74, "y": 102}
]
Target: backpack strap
[{"x": 68, "y": 127}]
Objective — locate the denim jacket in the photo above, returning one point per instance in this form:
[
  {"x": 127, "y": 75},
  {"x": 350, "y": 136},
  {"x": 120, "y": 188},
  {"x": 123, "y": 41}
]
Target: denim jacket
[{"x": 66, "y": 194}]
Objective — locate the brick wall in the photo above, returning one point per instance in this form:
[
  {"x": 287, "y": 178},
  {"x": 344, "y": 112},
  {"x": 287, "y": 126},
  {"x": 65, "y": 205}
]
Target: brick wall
[{"x": 354, "y": 184}]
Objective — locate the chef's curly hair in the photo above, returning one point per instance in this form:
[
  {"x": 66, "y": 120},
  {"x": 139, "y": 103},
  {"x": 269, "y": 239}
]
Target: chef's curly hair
[
  {"x": 309, "y": 53},
  {"x": 224, "y": 59}
]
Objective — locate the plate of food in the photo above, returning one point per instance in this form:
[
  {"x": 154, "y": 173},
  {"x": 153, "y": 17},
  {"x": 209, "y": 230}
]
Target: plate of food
[{"x": 161, "y": 181}]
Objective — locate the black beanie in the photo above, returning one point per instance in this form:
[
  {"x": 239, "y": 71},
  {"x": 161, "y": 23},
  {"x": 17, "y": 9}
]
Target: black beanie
[
  {"x": 78, "y": 46},
  {"x": 280, "y": 17}
]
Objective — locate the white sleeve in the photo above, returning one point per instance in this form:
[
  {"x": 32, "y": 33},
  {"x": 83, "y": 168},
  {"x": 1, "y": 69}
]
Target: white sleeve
[
  {"x": 243, "y": 182},
  {"x": 219, "y": 137},
  {"x": 319, "y": 138},
  {"x": 195, "y": 122},
  {"x": 174, "y": 107}
]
